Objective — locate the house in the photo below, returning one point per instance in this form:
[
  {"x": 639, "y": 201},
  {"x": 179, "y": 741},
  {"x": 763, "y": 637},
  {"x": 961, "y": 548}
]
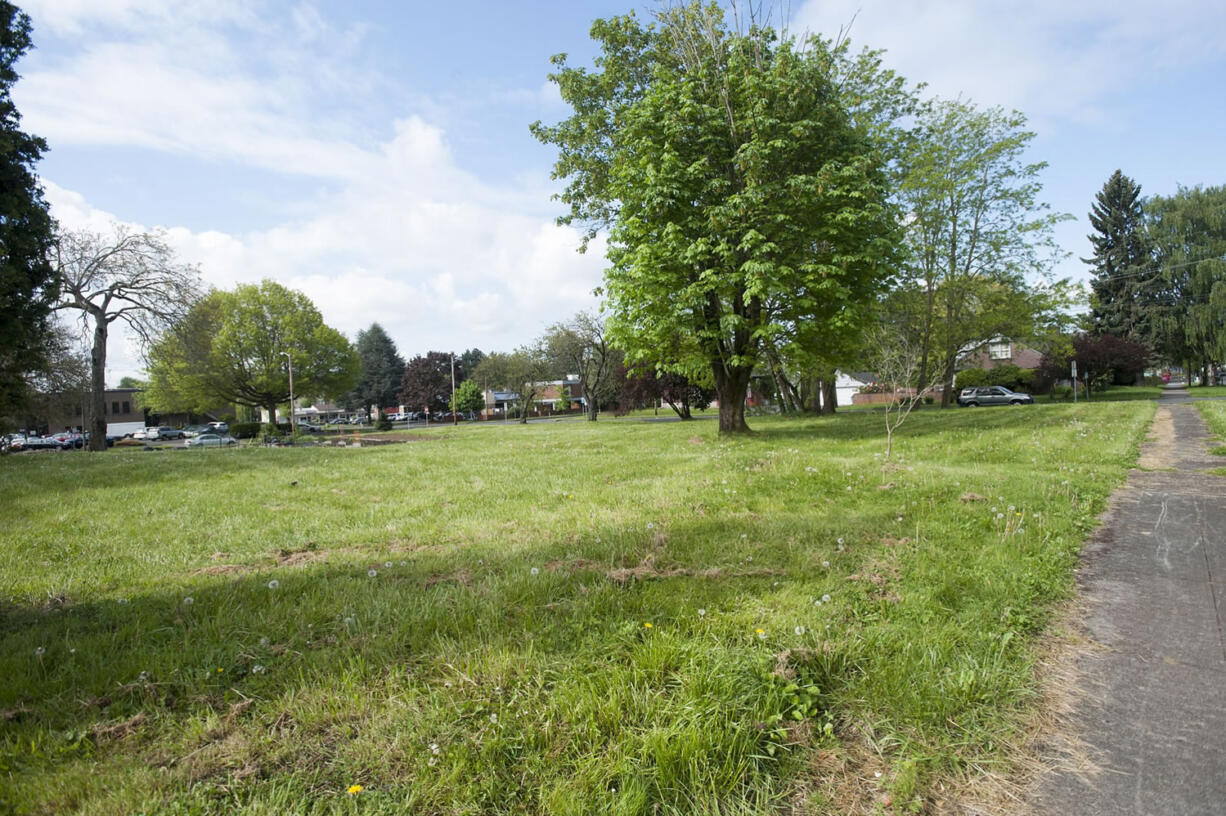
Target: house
[{"x": 1002, "y": 351}]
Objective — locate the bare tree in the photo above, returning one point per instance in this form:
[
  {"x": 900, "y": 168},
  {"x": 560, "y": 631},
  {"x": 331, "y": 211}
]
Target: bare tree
[
  {"x": 896, "y": 361},
  {"x": 131, "y": 277},
  {"x": 581, "y": 347}
]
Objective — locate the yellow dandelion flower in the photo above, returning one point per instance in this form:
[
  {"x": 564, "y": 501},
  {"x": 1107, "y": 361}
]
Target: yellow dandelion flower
[
  {"x": 647, "y": 626},
  {"x": 354, "y": 790}
]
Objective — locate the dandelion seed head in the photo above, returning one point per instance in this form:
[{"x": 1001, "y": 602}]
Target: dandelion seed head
[
  {"x": 535, "y": 571},
  {"x": 264, "y": 641},
  {"x": 349, "y": 621},
  {"x": 702, "y": 613},
  {"x": 188, "y": 601},
  {"x": 274, "y": 583},
  {"x": 40, "y": 651},
  {"x": 651, "y": 525},
  {"x": 840, "y": 541},
  {"x": 432, "y": 761},
  {"x": 404, "y": 563},
  {"x": 800, "y": 630},
  {"x": 257, "y": 669},
  {"x": 371, "y": 573},
  {"x": 387, "y": 564},
  {"x": 144, "y": 677},
  {"x": 493, "y": 718},
  {"x": 826, "y": 564},
  {"x": 825, "y": 599},
  {"x": 434, "y": 748}
]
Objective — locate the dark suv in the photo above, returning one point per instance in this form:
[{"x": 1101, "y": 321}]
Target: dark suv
[{"x": 992, "y": 395}]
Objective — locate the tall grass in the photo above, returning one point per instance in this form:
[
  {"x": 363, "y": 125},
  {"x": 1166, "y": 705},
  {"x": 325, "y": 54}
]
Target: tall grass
[{"x": 557, "y": 618}]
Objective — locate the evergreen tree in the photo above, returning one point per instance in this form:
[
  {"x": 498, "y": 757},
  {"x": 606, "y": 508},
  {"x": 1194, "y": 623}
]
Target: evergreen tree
[
  {"x": 382, "y": 368},
  {"x": 1120, "y": 262},
  {"x": 28, "y": 281}
]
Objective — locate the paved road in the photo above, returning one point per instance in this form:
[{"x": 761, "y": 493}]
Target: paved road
[{"x": 1151, "y": 705}]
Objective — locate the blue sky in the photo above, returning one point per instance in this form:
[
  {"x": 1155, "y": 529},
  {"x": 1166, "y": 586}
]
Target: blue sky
[{"x": 376, "y": 154}]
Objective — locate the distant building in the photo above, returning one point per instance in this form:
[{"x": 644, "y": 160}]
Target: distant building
[{"x": 1002, "y": 351}]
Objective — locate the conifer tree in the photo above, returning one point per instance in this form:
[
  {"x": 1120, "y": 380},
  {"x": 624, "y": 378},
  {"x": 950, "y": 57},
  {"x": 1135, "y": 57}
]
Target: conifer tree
[
  {"x": 27, "y": 277},
  {"x": 1121, "y": 262}
]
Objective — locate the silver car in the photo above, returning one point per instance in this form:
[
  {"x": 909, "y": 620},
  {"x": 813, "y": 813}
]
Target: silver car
[
  {"x": 992, "y": 395},
  {"x": 211, "y": 440}
]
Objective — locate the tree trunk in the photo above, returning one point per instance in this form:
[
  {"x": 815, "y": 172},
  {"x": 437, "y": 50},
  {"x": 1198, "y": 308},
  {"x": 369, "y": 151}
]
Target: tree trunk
[
  {"x": 592, "y": 409},
  {"x": 731, "y": 386},
  {"x": 830, "y": 396},
  {"x": 97, "y": 375},
  {"x": 947, "y": 380}
]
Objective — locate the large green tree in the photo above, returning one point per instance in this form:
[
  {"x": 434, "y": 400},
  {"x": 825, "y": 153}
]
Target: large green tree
[
  {"x": 28, "y": 282},
  {"x": 740, "y": 190},
  {"x": 426, "y": 381},
  {"x": 1121, "y": 261},
  {"x": 382, "y": 367},
  {"x": 232, "y": 346},
  {"x": 978, "y": 238},
  {"x": 1187, "y": 295}
]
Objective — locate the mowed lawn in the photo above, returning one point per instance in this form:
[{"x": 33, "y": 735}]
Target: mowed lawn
[{"x": 561, "y": 618}]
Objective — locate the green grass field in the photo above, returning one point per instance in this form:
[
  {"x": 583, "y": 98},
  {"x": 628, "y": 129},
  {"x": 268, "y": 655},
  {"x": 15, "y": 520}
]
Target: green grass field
[{"x": 622, "y": 618}]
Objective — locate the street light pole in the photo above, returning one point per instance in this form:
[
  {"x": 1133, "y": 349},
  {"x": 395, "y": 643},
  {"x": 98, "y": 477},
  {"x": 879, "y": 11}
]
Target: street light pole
[
  {"x": 292, "y": 427},
  {"x": 455, "y": 419}
]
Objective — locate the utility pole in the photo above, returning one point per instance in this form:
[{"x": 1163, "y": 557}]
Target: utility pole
[
  {"x": 455, "y": 416},
  {"x": 292, "y": 427}
]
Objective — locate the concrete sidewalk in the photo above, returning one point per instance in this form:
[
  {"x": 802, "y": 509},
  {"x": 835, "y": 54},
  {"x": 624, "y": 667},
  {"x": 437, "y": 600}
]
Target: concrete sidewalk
[{"x": 1151, "y": 701}]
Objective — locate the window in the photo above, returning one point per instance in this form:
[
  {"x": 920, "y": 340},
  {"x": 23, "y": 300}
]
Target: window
[
  {"x": 127, "y": 407},
  {"x": 77, "y": 408},
  {"x": 999, "y": 350},
  {"x": 115, "y": 407}
]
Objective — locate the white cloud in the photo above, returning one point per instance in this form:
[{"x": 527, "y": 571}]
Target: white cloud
[{"x": 440, "y": 260}]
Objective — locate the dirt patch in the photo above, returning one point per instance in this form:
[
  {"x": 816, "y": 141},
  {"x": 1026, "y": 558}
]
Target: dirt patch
[
  {"x": 696, "y": 440},
  {"x": 462, "y": 577},
  {"x": 14, "y": 714},
  {"x": 224, "y": 569},
  {"x": 851, "y": 779},
  {"x": 116, "y": 731},
  {"x": 1160, "y": 452},
  {"x": 297, "y": 558},
  {"x": 971, "y": 497}
]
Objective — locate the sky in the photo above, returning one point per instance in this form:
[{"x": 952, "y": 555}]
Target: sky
[{"x": 375, "y": 154}]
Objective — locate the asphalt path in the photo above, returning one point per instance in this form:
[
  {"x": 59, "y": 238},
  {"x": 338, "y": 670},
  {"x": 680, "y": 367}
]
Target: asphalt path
[{"x": 1149, "y": 708}]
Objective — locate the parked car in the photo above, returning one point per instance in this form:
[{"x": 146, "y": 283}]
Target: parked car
[
  {"x": 220, "y": 427},
  {"x": 68, "y": 439},
  {"x": 166, "y": 432},
  {"x": 211, "y": 440},
  {"x": 992, "y": 395},
  {"x": 309, "y": 427},
  {"x": 196, "y": 430}
]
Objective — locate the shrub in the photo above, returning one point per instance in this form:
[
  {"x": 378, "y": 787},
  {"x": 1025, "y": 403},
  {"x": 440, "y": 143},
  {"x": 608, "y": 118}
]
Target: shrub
[
  {"x": 244, "y": 430},
  {"x": 972, "y": 377},
  {"x": 1060, "y": 392}
]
